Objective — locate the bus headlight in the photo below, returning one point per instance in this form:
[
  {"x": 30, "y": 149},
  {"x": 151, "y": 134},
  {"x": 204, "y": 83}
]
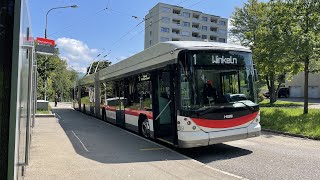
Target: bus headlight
[{"x": 258, "y": 118}]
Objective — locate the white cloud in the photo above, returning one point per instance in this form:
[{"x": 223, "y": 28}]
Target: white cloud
[{"x": 76, "y": 53}]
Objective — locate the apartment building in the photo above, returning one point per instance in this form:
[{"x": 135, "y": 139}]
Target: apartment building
[{"x": 166, "y": 22}]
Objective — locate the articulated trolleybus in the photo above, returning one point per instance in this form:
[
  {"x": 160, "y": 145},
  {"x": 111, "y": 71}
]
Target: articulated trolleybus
[{"x": 184, "y": 93}]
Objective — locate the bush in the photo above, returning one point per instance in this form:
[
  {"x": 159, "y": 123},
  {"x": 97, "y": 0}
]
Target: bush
[{"x": 261, "y": 97}]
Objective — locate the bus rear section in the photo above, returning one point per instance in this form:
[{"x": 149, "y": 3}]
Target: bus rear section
[{"x": 217, "y": 96}]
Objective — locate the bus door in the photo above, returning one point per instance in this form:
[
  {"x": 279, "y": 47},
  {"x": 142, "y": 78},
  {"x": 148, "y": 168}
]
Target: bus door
[
  {"x": 164, "y": 112},
  {"x": 120, "y": 115}
]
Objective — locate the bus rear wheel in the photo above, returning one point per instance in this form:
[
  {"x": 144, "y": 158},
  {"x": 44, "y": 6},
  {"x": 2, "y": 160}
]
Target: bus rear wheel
[{"x": 145, "y": 128}]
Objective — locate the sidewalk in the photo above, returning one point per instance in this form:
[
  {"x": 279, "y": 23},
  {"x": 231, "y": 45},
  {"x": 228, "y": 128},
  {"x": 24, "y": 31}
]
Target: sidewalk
[{"x": 77, "y": 146}]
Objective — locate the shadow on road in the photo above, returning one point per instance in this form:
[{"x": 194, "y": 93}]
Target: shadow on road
[
  {"x": 215, "y": 152},
  {"x": 105, "y": 143}
]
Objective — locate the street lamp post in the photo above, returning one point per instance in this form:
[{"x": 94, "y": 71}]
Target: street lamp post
[
  {"x": 45, "y": 36},
  {"x": 45, "y": 31}
]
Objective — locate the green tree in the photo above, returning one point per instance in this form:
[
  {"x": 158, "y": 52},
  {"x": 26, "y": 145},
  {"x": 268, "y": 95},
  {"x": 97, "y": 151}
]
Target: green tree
[
  {"x": 102, "y": 64},
  {"x": 46, "y": 65},
  {"x": 54, "y": 77},
  {"x": 305, "y": 37},
  {"x": 63, "y": 80},
  {"x": 261, "y": 26}
]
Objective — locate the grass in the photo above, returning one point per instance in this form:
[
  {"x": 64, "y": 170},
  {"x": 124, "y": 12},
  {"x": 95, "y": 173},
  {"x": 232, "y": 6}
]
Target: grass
[
  {"x": 43, "y": 111},
  {"x": 291, "y": 120},
  {"x": 279, "y": 103}
]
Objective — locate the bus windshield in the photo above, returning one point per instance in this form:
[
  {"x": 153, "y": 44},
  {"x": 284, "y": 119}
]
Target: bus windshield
[{"x": 215, "y": 78}]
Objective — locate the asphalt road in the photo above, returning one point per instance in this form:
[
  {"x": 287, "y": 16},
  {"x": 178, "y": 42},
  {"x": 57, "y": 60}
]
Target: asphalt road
[{"x": 269, "y": 156}]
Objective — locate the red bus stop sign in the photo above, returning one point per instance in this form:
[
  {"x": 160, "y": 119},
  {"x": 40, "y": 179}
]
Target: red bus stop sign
[{"x": 45, "y": 46}]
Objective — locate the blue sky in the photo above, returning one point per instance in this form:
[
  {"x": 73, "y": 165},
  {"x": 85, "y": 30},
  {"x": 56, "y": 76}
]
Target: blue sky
[{"x": 83, "y": 33}]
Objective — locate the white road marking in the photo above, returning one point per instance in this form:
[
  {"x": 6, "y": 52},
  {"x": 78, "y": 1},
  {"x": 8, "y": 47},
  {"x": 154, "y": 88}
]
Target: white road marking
[
  {"x": 59, "y": 117},
  {"x": 80, "y": 141},
  {"x": 151, "y": 149}
]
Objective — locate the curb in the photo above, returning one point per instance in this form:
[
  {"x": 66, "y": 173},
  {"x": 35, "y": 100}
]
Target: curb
[
  {"x": 290, "y": 134},
  {"x": 45, "y": 115}
]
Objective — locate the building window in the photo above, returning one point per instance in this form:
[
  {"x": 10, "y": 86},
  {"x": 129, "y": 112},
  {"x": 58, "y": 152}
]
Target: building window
[
  {"x": 175, "y": 31},
  {"x": 165, "y": 30},
  {"x": 223, "y": 40},
  {"x": 185, "y": 33},
  {"x": 222, "y": 31},
  {"x": 165, "y": 9},
  {"x": 150, "y": 42},
  {"x": 195, "y": 16},
  {"x": 176, "y": 11},
  {"x": 186, "y": 24},
  {"x": 186, "y": 14},
  {"x": 176, "y": 21},
  {"x": 204, "y": 28},
  {"x": 204, "y": 36},
  {"x": 150, "y": 33},
  {"x": 213, "y": 20},
  {"x": 165, "y": 20},
  {"x": 194, "y": 25},
  {"x": 195, "y": 34},
  {"x": 213, "y": 38},
  {"x": 164, "y": 39},
  {"x": 223, "y": 23},
  {"x": 205, "y": 19},
  {"x": 214, "y": 29}
]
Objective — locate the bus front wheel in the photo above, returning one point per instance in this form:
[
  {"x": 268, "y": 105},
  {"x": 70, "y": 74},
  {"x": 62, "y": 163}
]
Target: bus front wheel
[{"x": 144, "y": 128}]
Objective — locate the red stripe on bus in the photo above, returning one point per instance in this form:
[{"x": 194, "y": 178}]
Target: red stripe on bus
[
  {"x": 110, "y": 108},
  {"x": 132, "y": 111},
  {"x": 138, "y": 112},
  {"x": 225, "y": 123}
]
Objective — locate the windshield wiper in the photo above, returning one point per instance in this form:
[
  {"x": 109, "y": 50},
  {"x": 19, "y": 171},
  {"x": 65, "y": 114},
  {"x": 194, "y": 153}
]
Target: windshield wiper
[
  {"x": 247, "y": 106},
  {"x": 210, "y": 110}
]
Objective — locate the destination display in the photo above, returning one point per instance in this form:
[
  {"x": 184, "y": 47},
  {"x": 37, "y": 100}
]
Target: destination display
[{"x": 226, "y": 59}]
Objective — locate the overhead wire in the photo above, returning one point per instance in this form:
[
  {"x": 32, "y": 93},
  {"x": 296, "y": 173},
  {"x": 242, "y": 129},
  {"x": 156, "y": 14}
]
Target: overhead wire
[
  {"x": 70, "y": 26},
  {"x": 144, "y": 19},
  {"x": 142, "y": 30}
]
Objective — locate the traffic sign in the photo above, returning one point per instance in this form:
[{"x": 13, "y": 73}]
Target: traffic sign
[{"x": 45, "y": 41}]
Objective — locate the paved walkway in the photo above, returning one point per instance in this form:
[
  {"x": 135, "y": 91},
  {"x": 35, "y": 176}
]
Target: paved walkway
[{"x": 77, "y": 146}]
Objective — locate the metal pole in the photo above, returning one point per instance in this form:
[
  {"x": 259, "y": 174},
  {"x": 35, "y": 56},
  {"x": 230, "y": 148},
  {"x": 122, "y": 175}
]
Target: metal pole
[
  {"x": 97, "y": 67},
  {"x": 45, "y": 30}
]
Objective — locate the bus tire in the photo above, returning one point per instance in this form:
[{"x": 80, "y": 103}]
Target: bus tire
[{"x": 144, "y": 127}]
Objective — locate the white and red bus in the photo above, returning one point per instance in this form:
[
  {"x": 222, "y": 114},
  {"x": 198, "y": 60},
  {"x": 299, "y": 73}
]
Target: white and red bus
[{"x": 185, "y": 93}]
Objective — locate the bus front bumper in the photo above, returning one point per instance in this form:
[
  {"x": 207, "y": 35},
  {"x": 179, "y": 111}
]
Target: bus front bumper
[{"x": 201, "y": 138}]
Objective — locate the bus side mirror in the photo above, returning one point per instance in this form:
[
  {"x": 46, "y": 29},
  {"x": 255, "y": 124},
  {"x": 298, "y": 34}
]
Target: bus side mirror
[{"x": 255, "y": 73}]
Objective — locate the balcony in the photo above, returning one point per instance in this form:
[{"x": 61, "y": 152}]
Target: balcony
[
  {"x": 213, "y": 20},
  {"x": 196, "y": 27},
  {"x": 213, "y": 38},
  {"x": 196, "y": 17},
  {"x": 195, "y": 35},
  {"x": 213, "y": 29},
  {"x": 175, "y": 31}
]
